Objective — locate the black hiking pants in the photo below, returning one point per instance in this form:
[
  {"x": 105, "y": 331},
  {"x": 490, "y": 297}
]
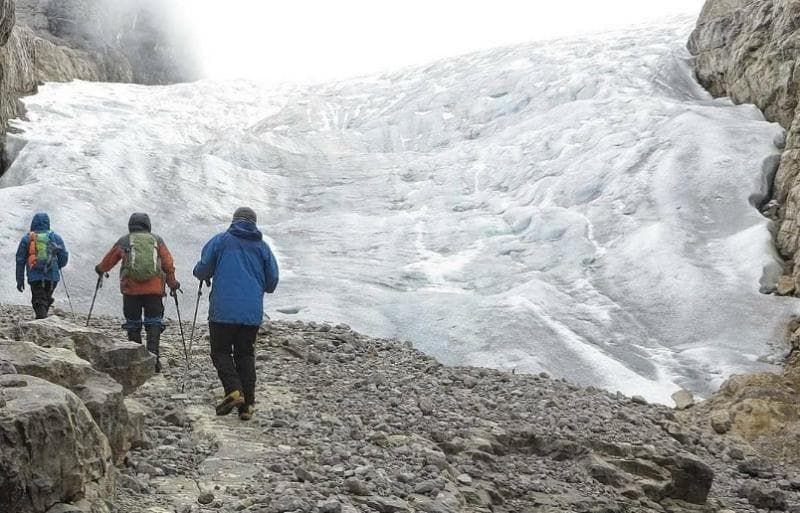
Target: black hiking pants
[
  {"x": 233, "y": 354},
  {"x": 151, "y": 307},
  {"x": 42, "y": 297}
]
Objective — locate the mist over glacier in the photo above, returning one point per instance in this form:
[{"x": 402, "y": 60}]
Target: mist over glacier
[{"x": 579, "y": 206}]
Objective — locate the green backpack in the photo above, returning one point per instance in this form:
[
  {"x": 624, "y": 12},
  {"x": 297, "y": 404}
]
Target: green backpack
[
  {"x": 40, "y": 251},
  {"x": 142, "y": 262}
]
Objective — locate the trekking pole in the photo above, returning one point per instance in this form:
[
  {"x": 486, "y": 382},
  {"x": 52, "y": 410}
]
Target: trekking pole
[
  {"x": 69, "y": 299},
  {"x": 94, "y": 298},
  {"x": 196, "y": 308},
  {"x": 174, "y": 294}
]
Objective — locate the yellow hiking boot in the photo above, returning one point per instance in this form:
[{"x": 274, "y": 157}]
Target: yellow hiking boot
[
  {"x": 231, "y": 401},
  {"x": 246, "y": 412}
]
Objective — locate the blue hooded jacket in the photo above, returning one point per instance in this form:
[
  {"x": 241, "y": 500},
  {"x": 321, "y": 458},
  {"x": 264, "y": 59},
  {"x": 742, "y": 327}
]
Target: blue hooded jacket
[
  {"x": 41, "y": 223},
  {"x": 243, "y": 268}
]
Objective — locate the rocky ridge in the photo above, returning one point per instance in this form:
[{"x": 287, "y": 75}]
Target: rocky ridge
[
  {"x": 748, "y": 50},
  {"x": 96, "y": 40},
  {"x": 353, "y": 424}
]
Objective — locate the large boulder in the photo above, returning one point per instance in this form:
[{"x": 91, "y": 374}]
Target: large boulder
[
  {"x": 127, "y": 362},
  {"x": 99, "y": 392},
  {"x": 52, "y": 452}
]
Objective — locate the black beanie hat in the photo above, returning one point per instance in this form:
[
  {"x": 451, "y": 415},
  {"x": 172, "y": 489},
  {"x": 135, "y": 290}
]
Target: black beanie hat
[{"x": 245, "y": 214}]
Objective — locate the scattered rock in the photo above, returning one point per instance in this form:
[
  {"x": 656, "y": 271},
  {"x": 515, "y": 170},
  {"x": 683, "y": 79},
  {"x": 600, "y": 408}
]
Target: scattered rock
[
  {"x": 756, "y": 467},
  {"x": 385, "y": 504},
  {"x": 177, "y": 418},
  {"x": 764, "y": 497},
  {"x": 721, "y": 421},
  {"x": 683, "y": 399},
  {"x": 7, "y": 368},
  {"x": 356, "y": 486},
  {"x": 786, "y": 286},
  {"x": 329, "y": 506},
  {"x": 205, "y": 498},
  {"x": 304, "y": 475}
]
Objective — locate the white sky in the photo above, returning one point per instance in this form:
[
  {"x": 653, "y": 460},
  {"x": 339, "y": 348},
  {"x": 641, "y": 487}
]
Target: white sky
[{"x": 298, "y": 40}]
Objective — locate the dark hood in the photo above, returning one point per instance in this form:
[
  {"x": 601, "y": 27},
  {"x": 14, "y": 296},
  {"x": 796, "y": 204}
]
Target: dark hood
[
  {"x": 245, "y": 230},
  {"x": 40, "y": 223},
  {"x": 139, "y": 222}
]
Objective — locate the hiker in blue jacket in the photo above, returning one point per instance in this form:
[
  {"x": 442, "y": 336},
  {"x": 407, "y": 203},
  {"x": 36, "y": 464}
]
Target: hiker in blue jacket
[
  {"x": 42, "y": 254},
  {"x": 243, "y": 268}
]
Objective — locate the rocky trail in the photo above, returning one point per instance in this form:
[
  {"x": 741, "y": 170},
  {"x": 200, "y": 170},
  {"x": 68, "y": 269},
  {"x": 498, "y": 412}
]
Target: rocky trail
[{"x": 353, "y": 424}]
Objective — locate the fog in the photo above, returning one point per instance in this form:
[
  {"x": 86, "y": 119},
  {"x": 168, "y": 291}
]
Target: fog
[{"x": 305, "y": 40}]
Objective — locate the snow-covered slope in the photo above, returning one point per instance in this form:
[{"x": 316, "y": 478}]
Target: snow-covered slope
[{"x": 581, "y": 207}]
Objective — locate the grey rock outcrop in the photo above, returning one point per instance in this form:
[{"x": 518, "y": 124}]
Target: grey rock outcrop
[
  {"x": 130, "y": 364},
  {"x": 99, "y": 392},
  {"x": 52, "y": 450},
  {"x": 748, "y": 50}
]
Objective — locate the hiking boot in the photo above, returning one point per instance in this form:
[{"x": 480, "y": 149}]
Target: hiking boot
[
  {"x": 231, "y": 401},
  {"x": 158, "y": 365},
  {"x": 246, "y": 412},
  {"x": 135, "y": 336}
]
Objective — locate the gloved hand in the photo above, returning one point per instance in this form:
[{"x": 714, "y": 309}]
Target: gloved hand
[
  {"x": 21, "y": 286},
  {"x": 98, "y": 270},
  {"x": 175, "y": 288}
]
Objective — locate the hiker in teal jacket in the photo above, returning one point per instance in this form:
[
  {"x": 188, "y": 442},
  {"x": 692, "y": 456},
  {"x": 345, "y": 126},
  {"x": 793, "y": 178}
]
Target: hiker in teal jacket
[{"x": 41, "y": 254}]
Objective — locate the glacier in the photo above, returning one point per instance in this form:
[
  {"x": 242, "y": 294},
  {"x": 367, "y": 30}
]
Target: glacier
[{"x": 579, "y": 206}]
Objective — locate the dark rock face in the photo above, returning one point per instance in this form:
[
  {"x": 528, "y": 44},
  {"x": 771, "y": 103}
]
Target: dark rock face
[
  {"x": 7, "y": 19},
  {"x": 127, "y": 41},
  {"x": 96, "y": 40},
  {"x": 748, "y": 50}
]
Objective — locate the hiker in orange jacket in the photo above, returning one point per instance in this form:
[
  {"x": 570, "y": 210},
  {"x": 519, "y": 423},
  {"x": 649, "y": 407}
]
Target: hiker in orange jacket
[{"x": 147, "y": 266}]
